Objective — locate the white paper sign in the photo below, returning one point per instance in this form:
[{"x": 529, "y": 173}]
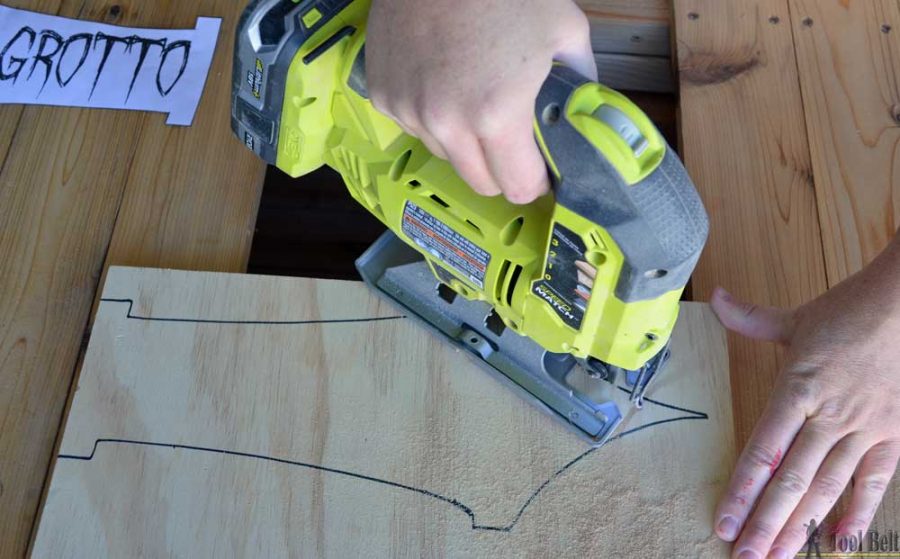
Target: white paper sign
[{"x": 50, "y": 60}]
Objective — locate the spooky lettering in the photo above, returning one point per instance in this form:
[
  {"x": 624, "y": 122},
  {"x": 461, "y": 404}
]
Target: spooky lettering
[
  {"x": 57, "y": 61},
  {"x": 49, "y": 55}
]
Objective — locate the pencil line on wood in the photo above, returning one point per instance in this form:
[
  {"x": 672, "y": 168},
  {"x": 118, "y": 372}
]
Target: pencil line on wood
[
  {"x": 693, "y": 415},
  {"x": 249, "y": 322}
]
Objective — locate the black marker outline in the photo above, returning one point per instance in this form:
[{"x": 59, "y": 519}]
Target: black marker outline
[
  {"x": 692, "y": 415},
  {"x": 251, "y": 322}
]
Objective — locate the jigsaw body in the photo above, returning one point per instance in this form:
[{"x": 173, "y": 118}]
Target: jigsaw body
[{"x": 562, "y": 297}]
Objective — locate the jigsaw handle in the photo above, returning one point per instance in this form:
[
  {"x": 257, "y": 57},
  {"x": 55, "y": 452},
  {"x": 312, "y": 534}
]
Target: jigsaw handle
[{"x": 611, "y": 167}]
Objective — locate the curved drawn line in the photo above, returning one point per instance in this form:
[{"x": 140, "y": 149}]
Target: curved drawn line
[
  {"x": 449, "y": 500},
  {"x": 692, "y": 415},
  {"x": 270, "y": 322}
]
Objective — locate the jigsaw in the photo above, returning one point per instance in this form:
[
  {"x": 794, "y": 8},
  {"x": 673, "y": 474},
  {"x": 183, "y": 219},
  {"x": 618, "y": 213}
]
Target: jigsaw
[{"x": 571, "y": 299}]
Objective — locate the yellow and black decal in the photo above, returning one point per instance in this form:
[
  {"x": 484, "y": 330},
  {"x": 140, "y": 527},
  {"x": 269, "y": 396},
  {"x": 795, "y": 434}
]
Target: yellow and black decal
[{"x": 560, "y": 285}]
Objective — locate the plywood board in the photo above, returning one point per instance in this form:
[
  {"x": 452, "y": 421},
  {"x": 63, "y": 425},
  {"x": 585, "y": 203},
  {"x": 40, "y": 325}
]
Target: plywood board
[
  {"x": 251, "y": 415},
  {"x": 744, "y": 143}
]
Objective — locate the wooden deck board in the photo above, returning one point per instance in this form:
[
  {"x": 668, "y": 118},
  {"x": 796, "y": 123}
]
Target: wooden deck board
[
  {"x": 64, "y": 175},
  {"x": 193, "y": 192},
  {"x": 745, "y": 145},
  {"x": 59, "y": 193},
  {"x": 850, "y": 77}
]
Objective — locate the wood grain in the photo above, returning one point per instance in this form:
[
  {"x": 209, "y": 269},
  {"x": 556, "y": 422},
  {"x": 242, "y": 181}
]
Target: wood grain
[
  {"x": 63, "y": 176},
  {"x": 646, "y": 10},
  {"x": 10, "y": 114},
  {"x": 193, "y": 193},
  {"x": 450, "y": 454},
  {"x": 59, "y": 193},
  {"x": 622, "y": 27},
  {"x": 652, "y": 74},
  {"x": 850, "y": 76},
  {"x": 744, "y": 143}
]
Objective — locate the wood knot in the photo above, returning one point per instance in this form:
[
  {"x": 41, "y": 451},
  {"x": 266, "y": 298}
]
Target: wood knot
[
  {"x": 714, "y": 69},
  {"x": 115, "y": 11},
  {"x": 807, "y": 22},
  {"x": 774, "y": 20},
  {"x": 886, "y": 28},
  {"x": 693, "y": 16}
]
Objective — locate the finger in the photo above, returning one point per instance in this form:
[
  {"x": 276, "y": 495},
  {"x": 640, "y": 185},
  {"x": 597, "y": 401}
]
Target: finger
[
  {"x": 787, "y": 487},
  {"x": 776, "y": 429},
  {"x": 826, "y": 488},
  {"x": 872, "y": 477},
  {"x": 413, "y": 128},
  {"x": 515, "y": 162},
  {"x": 760, "y": 323},
  {"x": 466, "y": 156}
]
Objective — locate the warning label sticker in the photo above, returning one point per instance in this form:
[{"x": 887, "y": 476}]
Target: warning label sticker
[{"x": 445, "y": 244}]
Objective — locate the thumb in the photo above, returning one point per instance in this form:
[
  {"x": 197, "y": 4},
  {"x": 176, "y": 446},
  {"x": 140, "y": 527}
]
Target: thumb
[{"x": 760, "y": 323}]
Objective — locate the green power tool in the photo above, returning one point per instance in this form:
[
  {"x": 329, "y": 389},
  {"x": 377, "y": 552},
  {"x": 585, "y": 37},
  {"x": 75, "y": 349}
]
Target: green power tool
[{"x": 571, "y": 299}]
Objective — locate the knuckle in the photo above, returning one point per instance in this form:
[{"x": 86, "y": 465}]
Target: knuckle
[
  {"x": 576, "y": 26},
  {"x": 874, "y": 484},
  {"x": 760, "y": 456},
  {"x": 792, "y": 533},
  {"x": 760, "y": 529},
  {"x": 801, "y": 392},
  {"x": 437, "y": 120},
  {"x": 834, "y": 411},
  {"x": 854, "y": 524},
  {"x": 489, "y": 118},
  {"x": 828, "y": 486},
  {"x": 791, "y": 482},
  {"x": 884, "y": 456}
]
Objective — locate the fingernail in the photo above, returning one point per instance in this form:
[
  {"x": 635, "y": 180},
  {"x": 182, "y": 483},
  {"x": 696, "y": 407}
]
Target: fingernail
[
  {"x": 748, "y": 554},
  {"x": 778, "y": 553},
  {"x": 725, "y": 295},
  {"x": 727, "y": 528}
]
